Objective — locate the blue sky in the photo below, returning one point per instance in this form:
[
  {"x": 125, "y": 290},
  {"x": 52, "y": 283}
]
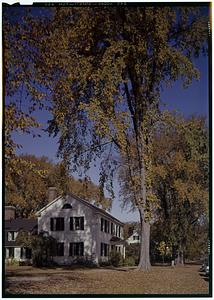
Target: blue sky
[{"x": 193, "y": 100}]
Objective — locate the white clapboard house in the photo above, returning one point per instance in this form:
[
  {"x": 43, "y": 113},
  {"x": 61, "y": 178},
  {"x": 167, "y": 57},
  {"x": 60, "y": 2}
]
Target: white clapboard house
[
  {"x": 81, "y": 229},
  {"x": 134, "y": 238}
]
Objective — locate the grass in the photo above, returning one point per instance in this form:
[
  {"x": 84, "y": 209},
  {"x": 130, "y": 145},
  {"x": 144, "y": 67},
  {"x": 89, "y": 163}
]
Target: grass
[{"x": 160, "y": 280}]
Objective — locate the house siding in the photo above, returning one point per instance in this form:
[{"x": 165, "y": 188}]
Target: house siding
[
  {"x": 92, "y": 236},
  {"x": 67, "y": 236}
]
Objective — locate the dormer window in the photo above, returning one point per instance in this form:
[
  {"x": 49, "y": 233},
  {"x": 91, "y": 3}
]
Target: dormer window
[{"x": 67, "y": 206}]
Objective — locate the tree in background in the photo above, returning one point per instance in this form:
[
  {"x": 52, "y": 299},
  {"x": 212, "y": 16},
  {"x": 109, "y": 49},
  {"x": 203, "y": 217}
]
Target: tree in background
[
  {"x": 180, "y": 170},
  {"x": 104, "y": 68},
  {"x": 179, "y": 181},
  {"x": 28, "y": 191}
]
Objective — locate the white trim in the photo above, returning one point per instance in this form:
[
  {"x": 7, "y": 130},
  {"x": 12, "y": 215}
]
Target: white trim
[
  {"x": 105, "y": 214},
  {"x": 47, "y": 205}
]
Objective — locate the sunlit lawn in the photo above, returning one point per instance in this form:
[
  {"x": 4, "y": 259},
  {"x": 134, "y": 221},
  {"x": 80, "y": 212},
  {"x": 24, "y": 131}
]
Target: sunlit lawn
[{"x": 161, "y": 280}]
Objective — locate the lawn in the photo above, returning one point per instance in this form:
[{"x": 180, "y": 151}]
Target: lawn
[{"x": 160, "y": 280}]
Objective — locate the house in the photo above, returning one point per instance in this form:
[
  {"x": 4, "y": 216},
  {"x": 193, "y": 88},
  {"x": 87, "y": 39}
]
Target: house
[
  {"x": 13, "y": 226},
  {"x": 134, "y": 238},
  {"x": 81, "y": 229}
]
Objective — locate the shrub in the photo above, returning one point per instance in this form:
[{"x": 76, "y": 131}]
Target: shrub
[
  {"x": 116, "y": 259},
  {"x": 133, "y": 250},
  {"x": 12, "y": 262},
  {"x": 84, "y": 261},
  {"x": 104, "y": 263},
  {"x": 129, "y": 261}
]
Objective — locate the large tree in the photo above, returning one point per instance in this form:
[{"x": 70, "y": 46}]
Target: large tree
[
  {"x": 181, "y": 179},
  {"x": 104, "y": 68}
]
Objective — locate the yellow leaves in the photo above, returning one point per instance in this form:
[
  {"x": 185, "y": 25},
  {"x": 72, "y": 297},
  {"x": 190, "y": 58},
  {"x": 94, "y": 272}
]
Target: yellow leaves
[
  {"x": 160, "y": 170},
  {"x": 162, "y": 248}
]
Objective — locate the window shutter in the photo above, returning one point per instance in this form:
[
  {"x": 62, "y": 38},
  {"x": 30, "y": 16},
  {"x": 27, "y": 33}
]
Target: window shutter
[
  {"x": 71, "y": 251},
  {"x": 51, "y": 224},
  {"x": 81, "y": 249},
  {"x": 62, "y": 249},
  {"x": 108, "y": 226},
  {"x": 71, "y": 223},
  {"x": 62, "y": 224},
  {"x": 101, "y": 250},
  {"x": 82, "y": 223}
]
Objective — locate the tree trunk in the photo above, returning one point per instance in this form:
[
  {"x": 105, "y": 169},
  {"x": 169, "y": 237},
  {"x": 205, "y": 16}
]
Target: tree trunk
[
  {"x": 144, "y": 263},
  {"x": 180, "y": 258}
]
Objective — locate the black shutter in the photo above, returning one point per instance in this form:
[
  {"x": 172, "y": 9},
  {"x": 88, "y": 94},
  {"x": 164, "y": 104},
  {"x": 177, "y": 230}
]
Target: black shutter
[
  {"x": 105, "y": 249},
  {"x": 60, "y": 249},
  {"x": 71, "y": 223},
  {"x": 75, "y": 249},
  {"x": 102, "y": 221},
  {"x": 101, "y": 250},
  {"x": 81, "y": 249},
  {"x": 71, "y": 252},
  {"x": 62, "y": 224},
  {"x": 82, "y": 223},
  {"x": 51, "y": 224}
]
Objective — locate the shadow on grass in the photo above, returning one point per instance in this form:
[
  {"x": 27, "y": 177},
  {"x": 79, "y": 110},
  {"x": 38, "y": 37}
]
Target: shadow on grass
[
  {"x": 204, "y": 276},
  {"x": 160, "y": 265}
]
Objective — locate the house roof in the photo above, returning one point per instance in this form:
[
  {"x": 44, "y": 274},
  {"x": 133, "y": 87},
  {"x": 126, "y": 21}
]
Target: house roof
[
  {"x": 136, "y": 232},
  {"x": 20, "y": 224},
  {"x": 17, "y": 225},
  {"x": 99, "y": 210}
]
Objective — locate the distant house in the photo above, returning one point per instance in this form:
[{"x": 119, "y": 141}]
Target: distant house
[
  {"x": 134, "y": 238},
  {"x": 81, "y": 229},
  {"x": 12, "y": 227}
]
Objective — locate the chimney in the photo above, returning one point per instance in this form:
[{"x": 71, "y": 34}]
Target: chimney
[
  {"x": 52, "y": 193},
  {"x": 9, "y": 212}
]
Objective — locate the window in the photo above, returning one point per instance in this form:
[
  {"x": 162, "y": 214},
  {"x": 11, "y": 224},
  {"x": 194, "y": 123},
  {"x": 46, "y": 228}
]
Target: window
[
  {"x": 117, "y": 248},
  {"x": 11, "y": 236},
  {"x": 118, "y": 231},
  {"x": 77, "y": 223},
  {"x": 105, "y": 225},
  {"x": 60, "y": 249},
  {"x": 11, "y": 252},
  {"x": 136, "y": 237},
  {"x": 76, "y": 249},
  {"x": 67, "y": 206},
  {"x": 104, "y": 250},
  {"x": 57, "y": 224},
  {"x": 26, "y": 253}
]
